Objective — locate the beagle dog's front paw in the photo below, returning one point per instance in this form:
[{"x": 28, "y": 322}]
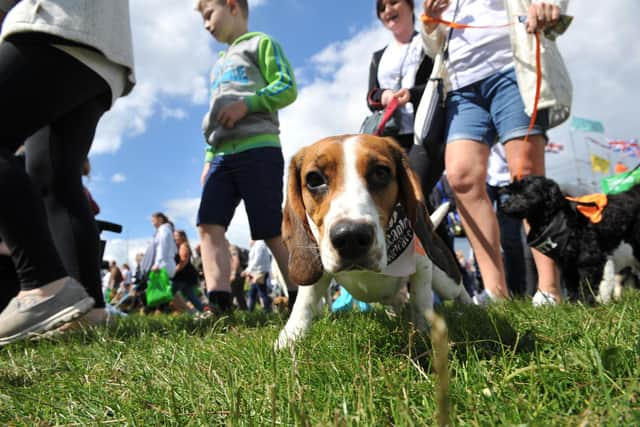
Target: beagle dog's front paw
[{"x": 286, "y": 339}]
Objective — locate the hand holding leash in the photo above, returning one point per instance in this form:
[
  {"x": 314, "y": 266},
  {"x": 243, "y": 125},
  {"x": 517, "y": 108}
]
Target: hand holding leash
[
  {"x": 542, "y": 16},
  {"x": 434, "y": 9}
]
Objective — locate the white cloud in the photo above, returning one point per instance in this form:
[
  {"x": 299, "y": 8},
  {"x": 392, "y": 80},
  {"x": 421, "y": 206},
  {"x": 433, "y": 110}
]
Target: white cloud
[
  {"x": 182, "y": 210},
  {"x": 172, "y": 56},
  {"x": 185, "y": 211},
  {"x": 333, "y": 102},
  {"x": 173, "y": 113},
  {"x": 118, "y": 178}
]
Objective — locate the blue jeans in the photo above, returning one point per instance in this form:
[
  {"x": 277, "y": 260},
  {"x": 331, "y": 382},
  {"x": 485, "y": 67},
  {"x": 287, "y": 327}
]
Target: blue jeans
[
  {"x": 490, "y": 110},
  {"x": 512, "y": 245},
  {"x": 189, "y": 292},
  {"x": 262, "y": 291}
]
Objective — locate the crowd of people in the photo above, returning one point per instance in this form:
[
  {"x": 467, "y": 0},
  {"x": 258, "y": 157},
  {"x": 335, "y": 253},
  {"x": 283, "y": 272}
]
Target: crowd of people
[
  {"x": 62, "y": 69},
  {"x": 251, "y": 277}
]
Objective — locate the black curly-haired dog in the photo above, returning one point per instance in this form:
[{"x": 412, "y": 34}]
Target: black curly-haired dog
[{"x": 580, "y": 248}]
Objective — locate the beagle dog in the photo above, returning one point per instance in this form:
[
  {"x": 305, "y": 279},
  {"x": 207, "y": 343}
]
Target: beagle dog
[{"x": 355, "y": 212}]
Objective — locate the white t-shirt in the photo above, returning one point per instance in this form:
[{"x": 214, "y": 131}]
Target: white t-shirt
[
  {"x": 165, "y": 249},
  {"x": 397, "y": 69},
  {"x": 259, "y": 258},
  {"x": 477, "y": 53},
  {"x": 497, "y": 168}
]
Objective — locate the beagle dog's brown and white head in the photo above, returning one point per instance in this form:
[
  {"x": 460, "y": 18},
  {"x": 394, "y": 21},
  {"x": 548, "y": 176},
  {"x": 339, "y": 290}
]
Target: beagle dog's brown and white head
[{"x": 341, "y": 193}]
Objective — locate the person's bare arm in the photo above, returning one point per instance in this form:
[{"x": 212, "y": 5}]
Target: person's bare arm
[
  {"x": 183, "y": 252},
  {"x": 235, "y": 264}
]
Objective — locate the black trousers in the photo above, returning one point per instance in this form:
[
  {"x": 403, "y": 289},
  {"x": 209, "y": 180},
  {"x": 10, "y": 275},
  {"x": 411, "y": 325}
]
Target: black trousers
[{"x": 52, "y": 103}]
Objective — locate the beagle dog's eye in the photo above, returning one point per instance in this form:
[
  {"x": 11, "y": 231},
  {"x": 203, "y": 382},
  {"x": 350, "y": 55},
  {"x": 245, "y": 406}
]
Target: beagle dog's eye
[
  {"x": 316, "y": 181},
  {"x": 379, "y": 176}
]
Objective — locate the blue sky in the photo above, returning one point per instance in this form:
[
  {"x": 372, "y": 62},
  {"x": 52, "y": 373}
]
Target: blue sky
[{"x": 148, "y": 151}]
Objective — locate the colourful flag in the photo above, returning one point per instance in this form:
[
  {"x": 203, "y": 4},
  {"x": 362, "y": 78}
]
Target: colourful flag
[
  {"x": 618, "y": 145},
  {"x": 586, "y": 125},
  {"x": 598, "y": 143},
  {"x": 620, "y": 167},
  {"x": 598, "y": 164},
  {"x": 553, "y": 147}
]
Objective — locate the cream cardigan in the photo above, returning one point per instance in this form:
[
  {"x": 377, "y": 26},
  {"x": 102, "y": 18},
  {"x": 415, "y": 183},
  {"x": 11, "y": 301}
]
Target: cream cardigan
[
  {"x": 100, "y": 24},
  {"x": 556, "y": 90}
]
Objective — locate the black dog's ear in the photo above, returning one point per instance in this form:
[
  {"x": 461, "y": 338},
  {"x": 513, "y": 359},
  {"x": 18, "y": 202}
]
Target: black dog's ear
[
  {"x": 553, "y": 190},
  {"x": 305, "y": 267}
]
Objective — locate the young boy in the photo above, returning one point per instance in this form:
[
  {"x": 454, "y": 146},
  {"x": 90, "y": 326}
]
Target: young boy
[{"x": 250, "y": 82}]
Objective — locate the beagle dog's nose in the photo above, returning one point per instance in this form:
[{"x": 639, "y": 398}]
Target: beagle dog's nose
[{"x": 352, "y": 239}]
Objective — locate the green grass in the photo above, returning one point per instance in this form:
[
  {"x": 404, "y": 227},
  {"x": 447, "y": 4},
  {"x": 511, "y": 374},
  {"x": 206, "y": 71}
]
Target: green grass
[{"x": 510, "y": 365}]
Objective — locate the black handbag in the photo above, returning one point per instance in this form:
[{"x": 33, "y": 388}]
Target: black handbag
[{"x": 382, "y": 123}]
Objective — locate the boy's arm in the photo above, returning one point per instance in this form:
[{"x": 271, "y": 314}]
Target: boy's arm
[
  {"x": 208, "y": 157},
  {"x": 281, "y": 89}
]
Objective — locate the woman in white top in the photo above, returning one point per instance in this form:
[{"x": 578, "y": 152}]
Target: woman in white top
[
  {"x": 490, "y": 101},
  {"x": 62, "y": 65},
  {"x": 401, "y": 70},
  {"x": 165, "y": 248}
]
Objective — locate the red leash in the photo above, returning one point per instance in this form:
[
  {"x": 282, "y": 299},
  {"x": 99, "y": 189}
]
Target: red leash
[
  {"x": 391, "y": 107},
  {"x": 456, "y": 25}
]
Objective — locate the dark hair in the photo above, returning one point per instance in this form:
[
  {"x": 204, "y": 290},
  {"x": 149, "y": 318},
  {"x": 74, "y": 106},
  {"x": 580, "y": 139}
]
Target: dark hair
[
  {"x": 162, "y": 217},
  {"x": 380, "y": 7},
  {"x": 182, "y": 234}
]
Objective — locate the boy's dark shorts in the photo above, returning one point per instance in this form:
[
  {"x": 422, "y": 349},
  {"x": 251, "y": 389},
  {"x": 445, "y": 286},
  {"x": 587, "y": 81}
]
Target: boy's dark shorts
[{"x": 254, "y": 176}]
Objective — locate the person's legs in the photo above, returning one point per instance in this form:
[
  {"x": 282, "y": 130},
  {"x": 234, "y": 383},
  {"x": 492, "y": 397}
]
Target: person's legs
[
  {"x": 512, "y": 246},
  {"x": 263, "y": 291},
  {"x": 466, "y": 164},
  {"x": 190, "y": 294},
  {"x": 216, "y": 261},
  {"x": 528, "y": 159},
  {"x": 281, "y": 255},
  {"x": 39, "y": 84},
  {"x": 237, "y": 290},
  {"x": 253, "y": 296},
  {"x": 220, "y": 198},
  {"x": 263, "y": 203},
  {"x": 55, "y": 155}
]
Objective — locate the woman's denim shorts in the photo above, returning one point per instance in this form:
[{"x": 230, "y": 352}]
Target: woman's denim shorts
[{"x": 490, "y": 110}]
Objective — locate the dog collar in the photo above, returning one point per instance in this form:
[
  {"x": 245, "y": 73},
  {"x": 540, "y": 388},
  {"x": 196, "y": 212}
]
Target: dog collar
[{"x": 553, "y": 239}]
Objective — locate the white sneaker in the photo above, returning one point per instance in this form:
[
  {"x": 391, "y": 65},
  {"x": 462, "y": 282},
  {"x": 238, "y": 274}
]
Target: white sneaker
[
  {"x": 483, "y": 298},
  {"x": 543, "y": 298}
]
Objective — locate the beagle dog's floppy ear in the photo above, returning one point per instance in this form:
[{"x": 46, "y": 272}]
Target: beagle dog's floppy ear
[
  {"x": 305, "y": 267},
  {"x": 413, "y": 200},
  {"x": 410, "y": 190}
]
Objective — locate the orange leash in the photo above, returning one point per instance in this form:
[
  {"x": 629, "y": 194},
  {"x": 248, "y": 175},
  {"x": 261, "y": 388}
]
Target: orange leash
[{"x": 429, "y": 20}]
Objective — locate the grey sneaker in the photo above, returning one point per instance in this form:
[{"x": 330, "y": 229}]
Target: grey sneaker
[{"x": 31, "y": 315}]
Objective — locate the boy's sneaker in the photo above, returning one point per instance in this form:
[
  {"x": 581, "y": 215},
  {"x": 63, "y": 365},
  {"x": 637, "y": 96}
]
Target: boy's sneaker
[
  {"x": 34, "y": 314},
  {"x": 220, "y": 302},
  {"x": 543, "y": 298}
]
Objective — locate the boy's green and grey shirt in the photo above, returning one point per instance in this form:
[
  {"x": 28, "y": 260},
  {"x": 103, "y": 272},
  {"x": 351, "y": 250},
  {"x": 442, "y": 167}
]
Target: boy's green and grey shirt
[{"x": 253, "y": 69}]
